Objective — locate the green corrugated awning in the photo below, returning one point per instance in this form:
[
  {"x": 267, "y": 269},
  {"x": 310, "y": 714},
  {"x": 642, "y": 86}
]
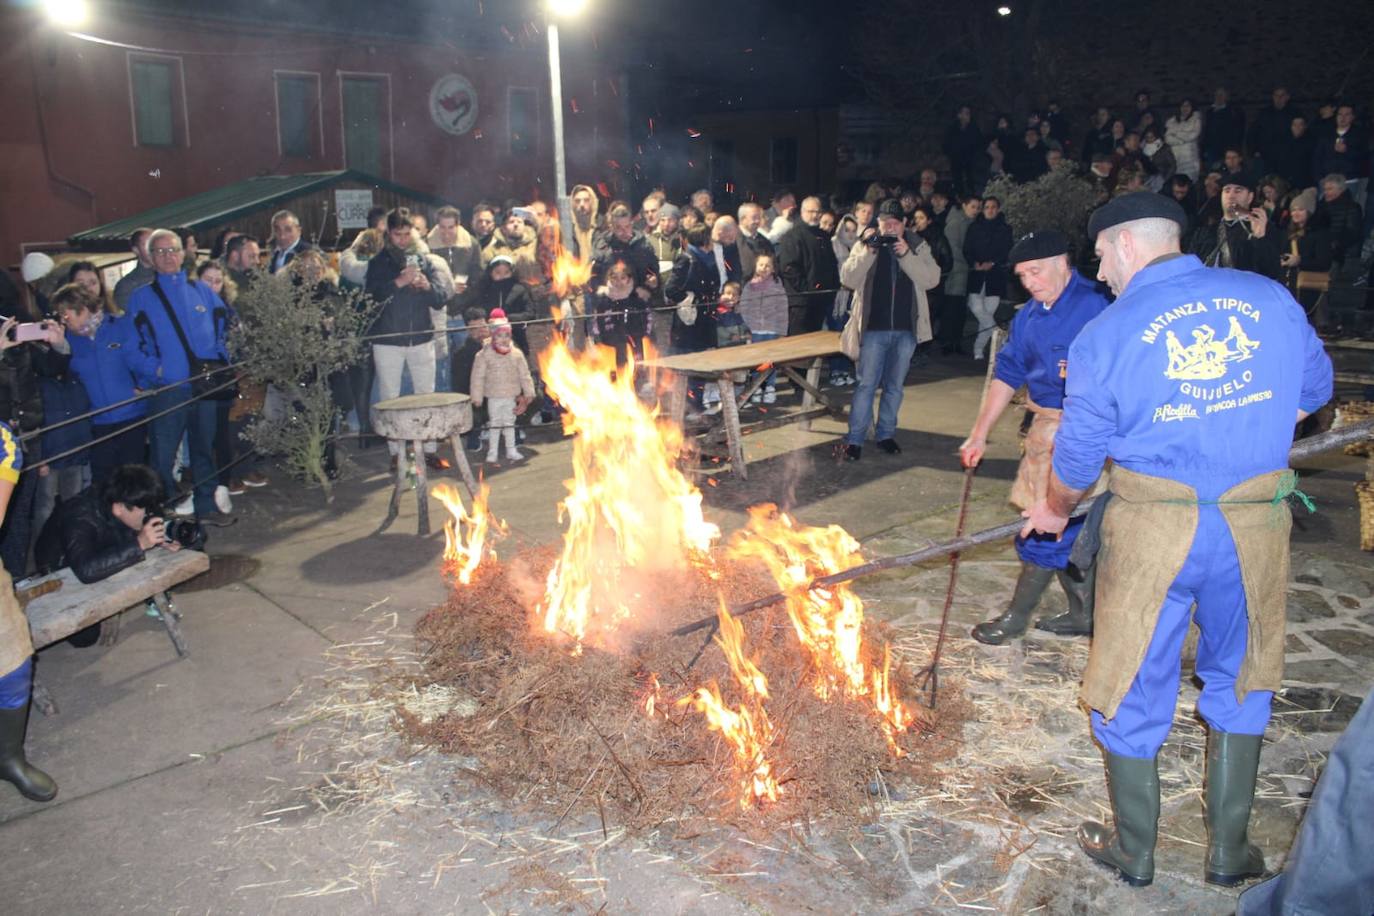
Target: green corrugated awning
[{"x": 214, "y": 208}]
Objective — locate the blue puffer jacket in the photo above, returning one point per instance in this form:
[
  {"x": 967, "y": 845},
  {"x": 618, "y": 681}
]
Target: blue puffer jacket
[
  {"x": 105, "y": 366},
  {"x": 204, "y": 319}
]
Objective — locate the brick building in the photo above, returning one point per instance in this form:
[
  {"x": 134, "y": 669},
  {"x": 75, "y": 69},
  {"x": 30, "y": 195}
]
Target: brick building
[{"x": 143, "y": 107}]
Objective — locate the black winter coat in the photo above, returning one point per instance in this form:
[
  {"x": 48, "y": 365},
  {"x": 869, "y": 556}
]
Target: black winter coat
[
  {"x": 637, "y": 254},
  {"x": 405, "y": 312},
  {"x": 1345, "y": 223},
  {"x": 809, "y": 272},
  {"x": 694, "y": 271},
  {"x": 988, "y": 240},
  {"x": 96, "y": 545}
]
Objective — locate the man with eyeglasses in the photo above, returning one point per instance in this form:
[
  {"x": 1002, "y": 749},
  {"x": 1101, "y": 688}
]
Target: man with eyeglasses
[{"x": 156, "y": 310}]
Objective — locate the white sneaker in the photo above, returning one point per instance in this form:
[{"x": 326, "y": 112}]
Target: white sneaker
[
  {"x": 756, "y": 398},
  {"x": 187, "y": 506},
  {"x": 222, "y": 501},
  {"x": 770, "y": 395},
  {"x": 537, "y": 419},
  {"x": 712, "y": 409},
  {"x": 515, "y": 455}
]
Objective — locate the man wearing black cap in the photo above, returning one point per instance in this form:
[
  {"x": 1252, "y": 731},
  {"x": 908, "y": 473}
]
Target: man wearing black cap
[
  {"x": 1239, "y": 235},
  {"x": 889, "y": 270},
  {"x": 1037, "y": 355},
  {"x": 1190, "y": 383}
]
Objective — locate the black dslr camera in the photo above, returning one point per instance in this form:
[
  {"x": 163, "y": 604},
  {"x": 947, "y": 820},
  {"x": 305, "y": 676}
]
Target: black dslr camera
[
  {"x": 878, "y": 240},
  {"x": 187, "y": 532}
]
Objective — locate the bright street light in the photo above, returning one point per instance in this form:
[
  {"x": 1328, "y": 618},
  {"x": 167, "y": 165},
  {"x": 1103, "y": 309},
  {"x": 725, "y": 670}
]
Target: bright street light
[
  {"x": 1004, "y": 11},
  {"x": 67, "y": 14},
  {"x": 567, "y": 8}
]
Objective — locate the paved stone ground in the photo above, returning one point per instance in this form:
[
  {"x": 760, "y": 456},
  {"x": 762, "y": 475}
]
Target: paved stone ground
[{"x": 261, "y": 774}]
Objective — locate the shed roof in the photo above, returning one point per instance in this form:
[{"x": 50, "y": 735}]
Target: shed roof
[{"x": 218, "y": 206}]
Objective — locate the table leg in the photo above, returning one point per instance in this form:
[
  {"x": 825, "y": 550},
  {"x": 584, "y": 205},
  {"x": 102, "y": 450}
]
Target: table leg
[
  {"x": 729, "y": 412},
  {"x": 171, "y": 619},
  {"x": 421, "y": 487},
  {"x": 460, "y": 458},
  {"x": 677, "y": 399},
  {"x": 813, "y": 380},
  {"x": 394, "y": 507},
  {"x": 42, "y": 700},
  {"x": 109, "y": 629}
]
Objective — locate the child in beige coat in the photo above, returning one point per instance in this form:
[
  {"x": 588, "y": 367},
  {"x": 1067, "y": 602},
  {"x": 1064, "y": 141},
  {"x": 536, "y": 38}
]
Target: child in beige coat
[{"x": 501, "y": 377}]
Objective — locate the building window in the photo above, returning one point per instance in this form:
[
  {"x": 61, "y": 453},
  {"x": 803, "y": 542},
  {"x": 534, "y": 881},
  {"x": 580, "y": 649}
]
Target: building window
[
  {"x": 783, "y": 160},
  {"x": 523, "y": 117},
  {"x": 366, "y": 116},
  {"x": 298, "y": 113},
  {"x": 153, "y": 86}
]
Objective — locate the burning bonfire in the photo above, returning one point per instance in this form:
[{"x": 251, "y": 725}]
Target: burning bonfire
[{"x": 585, "y": 696}]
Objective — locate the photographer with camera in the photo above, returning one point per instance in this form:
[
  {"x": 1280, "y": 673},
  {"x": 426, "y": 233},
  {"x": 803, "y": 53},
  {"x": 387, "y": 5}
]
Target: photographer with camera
[
  {"x": 1238, "y": 235},
  {"x": 113, "y": 526},
  {"x": 889, "y": 270}
]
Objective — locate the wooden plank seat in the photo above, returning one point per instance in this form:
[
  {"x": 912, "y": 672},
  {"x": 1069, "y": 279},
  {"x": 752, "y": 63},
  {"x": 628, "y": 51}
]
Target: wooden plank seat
[
  {"x": 722, "y": 364},
  {"x": 56, "y": 615}
]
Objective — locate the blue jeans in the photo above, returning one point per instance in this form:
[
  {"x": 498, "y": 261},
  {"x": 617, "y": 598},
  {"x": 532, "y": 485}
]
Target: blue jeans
[
  {"x": 1211, "y": 578},
  {"x": 196, "y": 420},
  {"x": 16, "y": 685},
  {"x": 760, "y": 337},
  {"x": 884, "y": 357}
]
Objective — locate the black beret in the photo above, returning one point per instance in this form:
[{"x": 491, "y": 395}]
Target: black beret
[
  {"x": 1130, "y": 207},
  {"x": 1033, "y": 246},
  {"x": 893, "y": 208},
  {"x": 1242, "y": 178}
]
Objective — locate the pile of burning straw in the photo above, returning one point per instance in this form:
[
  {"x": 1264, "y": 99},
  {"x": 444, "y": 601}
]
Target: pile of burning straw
[{"x": 577, "y": 695}]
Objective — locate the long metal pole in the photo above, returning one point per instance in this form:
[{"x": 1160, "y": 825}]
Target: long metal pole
[
  {"x": 1302, "y": 450},
  {"x": 560, "y": 165}
]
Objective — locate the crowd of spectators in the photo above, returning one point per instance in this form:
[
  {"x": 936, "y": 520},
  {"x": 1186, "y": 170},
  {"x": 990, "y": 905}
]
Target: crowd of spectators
[{"x": 922, "y": 263}]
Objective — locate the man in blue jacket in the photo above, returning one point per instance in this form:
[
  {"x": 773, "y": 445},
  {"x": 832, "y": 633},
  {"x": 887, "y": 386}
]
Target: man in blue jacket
[
  {"x": 162, "y": 361},
  {"x": 1037, "y": 356},
  {"x": 1191, "y": 383}
]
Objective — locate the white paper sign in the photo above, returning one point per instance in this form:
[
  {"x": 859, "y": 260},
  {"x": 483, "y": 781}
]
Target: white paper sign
[{"x": 352, "y": 207}]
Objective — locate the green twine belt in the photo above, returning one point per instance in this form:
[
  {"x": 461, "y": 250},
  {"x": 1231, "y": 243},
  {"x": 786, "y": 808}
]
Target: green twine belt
[{"x": 1286, "y": 493}]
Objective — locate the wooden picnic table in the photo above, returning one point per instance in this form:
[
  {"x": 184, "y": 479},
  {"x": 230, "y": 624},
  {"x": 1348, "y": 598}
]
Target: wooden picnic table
[{"x": 721, "y": 365}]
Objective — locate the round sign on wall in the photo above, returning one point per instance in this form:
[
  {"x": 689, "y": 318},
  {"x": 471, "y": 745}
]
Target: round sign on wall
[{"x": 453, "y": 104}]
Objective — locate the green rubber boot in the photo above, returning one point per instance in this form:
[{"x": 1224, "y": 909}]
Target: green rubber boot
[
  {"x": 1012, "y": 622},
  {"x": 1128, "y": 847},
  {"x": 1078, "y": 619},
  {"x": 1232, "y": 764},
  {"x": 31, "y": 782}
]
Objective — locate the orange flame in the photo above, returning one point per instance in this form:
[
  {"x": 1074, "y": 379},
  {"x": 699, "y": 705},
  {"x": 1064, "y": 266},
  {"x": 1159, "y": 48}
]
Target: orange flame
[
  {"x": 747, "y": 726},
  {"x": 827, "y": 621},
  {"x": 629, "y": 510},
  {"x": 651, "y": 697},
  {"x": 465, "y": 536},
  {"x": 569, "y": 273}
]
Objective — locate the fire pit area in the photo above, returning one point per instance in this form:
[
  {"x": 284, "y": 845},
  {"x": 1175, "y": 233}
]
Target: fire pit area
[{"x": 611, "y": 674}]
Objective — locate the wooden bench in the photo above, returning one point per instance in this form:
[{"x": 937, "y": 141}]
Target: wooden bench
[
  {"x": 75, "y": 606},
  {"x": 720, "y": 365}
]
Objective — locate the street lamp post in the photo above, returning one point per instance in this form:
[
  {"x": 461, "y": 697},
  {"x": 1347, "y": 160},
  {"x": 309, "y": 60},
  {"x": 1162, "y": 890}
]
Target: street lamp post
[{"x": 560, "y": 9}]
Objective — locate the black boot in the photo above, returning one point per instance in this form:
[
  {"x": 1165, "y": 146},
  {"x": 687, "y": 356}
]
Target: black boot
[
  {"x": 1078, "y": 619},
  {"x": 31, "y": 782},
  {"x": 1128, "y": 846},
  {"x": 1232, "y": 764},
  {"x": 1030, "y": 585}
]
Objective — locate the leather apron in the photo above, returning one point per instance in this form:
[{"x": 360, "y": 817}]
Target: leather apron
[
  {"x": 15, "y": 643},
  {"x": 1033, "y": 474},
  {"x": 1147, "y": 534}
]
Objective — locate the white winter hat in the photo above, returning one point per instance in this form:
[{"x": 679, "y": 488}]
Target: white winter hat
[{"x": 36, "y": 266}]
